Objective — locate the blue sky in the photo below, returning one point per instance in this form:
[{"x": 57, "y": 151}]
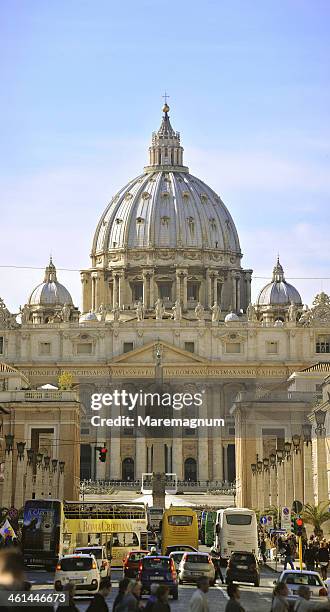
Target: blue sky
[{"x": 81, "y": 91}]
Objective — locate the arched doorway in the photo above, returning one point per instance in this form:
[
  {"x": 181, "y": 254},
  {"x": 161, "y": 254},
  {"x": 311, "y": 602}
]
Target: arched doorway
[
  {"x": 128, "y": 469},
  {"x": 190, "y": 469}
]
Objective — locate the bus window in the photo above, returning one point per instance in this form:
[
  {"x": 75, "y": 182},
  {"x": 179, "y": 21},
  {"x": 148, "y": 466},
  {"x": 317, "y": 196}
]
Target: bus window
[
  {"x": 124, "y": 539},
  {"x": 180, "y": 520},
  {"x": 238, "y": 519}
]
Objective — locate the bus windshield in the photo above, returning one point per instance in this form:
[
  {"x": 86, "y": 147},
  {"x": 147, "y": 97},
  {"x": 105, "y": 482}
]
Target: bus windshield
[
  {"x": 41, "y": 524},
  {"x": 238, "y": 519},
  {"x": 180, "y": 520}
]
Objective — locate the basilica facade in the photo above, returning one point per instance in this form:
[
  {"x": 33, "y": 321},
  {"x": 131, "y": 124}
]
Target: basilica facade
[{"x": 166, "y": 303}]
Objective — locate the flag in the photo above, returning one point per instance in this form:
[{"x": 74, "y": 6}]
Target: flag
[{"x": 6, "y": 530}]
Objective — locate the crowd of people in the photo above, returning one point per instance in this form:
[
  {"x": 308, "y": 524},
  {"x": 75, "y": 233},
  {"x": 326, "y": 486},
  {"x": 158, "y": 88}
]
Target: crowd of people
[{"x": 315, "y": 551}]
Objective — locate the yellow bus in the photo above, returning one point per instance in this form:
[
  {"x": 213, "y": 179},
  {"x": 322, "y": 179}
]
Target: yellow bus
[
  {"x": 179, "y": 527},
  {"x": 119, "y": 526}
]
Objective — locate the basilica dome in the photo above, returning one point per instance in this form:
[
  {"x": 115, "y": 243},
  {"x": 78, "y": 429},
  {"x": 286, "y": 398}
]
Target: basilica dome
[
  {"x": 166, "y": 206},
  {"x": 278, "y": 292},
  {"x": 50, "y": 291}
]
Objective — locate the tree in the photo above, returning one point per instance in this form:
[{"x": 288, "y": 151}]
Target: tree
[
  {"x": 316, "y": 516},
  {"x": 65, "y": 380}
]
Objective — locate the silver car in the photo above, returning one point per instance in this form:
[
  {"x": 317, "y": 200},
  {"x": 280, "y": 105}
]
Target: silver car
[{"x": 195, "y": 565}]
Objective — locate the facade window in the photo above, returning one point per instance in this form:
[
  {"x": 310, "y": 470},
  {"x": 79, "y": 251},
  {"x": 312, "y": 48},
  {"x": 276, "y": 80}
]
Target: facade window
[
  {"x": 44, "y": 348},
  {"x": 127, "y": 347},
  {"x": 272, "y": 348},
  {"x": 193, "y": 291},
  {"x": 323, "y": 344},
  {"x": 1, "y": 345},
  {"x": 84, "y": 431},
  {"x": 189, "y": 346},
  {"x": 84, "y": 348},
  {"x": 137, "y": 291},
  {"x": 233, "y": 347},
  {"x": 165, "y": 291}
]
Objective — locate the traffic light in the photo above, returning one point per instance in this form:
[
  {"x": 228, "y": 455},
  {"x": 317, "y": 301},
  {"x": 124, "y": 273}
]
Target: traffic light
[
  {"x": 103, "y": 454},
  {"x": 293, "y": 523},
  {"x": 299, "y": 525}
]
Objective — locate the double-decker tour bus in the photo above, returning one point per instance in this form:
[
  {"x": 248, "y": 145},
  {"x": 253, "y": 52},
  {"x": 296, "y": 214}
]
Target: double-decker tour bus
[{"x": 52, "y": 528}]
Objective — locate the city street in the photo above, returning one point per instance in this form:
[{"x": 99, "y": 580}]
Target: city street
[{"x": 253, "y": 599}]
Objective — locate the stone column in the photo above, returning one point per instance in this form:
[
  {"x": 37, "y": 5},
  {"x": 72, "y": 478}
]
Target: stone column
[
  {"x": 225, "y": 460},
  {"x": 254, "y": 495},
  {"x": 260, "y": 490},
  {"x": 203, "y": 444},
  {"x": 53, "y": 480},
  {"x": 20, "y": 475},
  {"x": 86, "y": 291},
  {"x": 39, "y": 477},
  {"x": 177, "y": 453},
  {"x": 266, "y": 485},
  {"x": 121, "y": 288},
  {"x": 233, "y": 299},
  {"x": 273, "y": 486},
  {"x": 281, "y": 484},
  {"x": 288, "y": 476},
  {"x": 185, "y": 293},
  {"x": 238, "y": 293},
  {"x": 30, "y": 480},
  {"x": 248, "y": 287},
  {"x": 297, "y": 468},
  {"x": 178, "y": 286},
  {"x": 61, "y": 480},
  {"x": 215, "y": 288},
  {"x": 321, "y": 468},
  {"x": 308, "y": 474},
  {"x": 217, "y": 460},
  {"x": 7, "y": 487},
  {"x": 115, "y": 296},
  {"x": 209, "y": 288},
  {"x": 46, "y": 483},
  {"x": 146, "y": 293},
  {"x": 115, "y": 459},
  {"x": 152, "y": 289}
]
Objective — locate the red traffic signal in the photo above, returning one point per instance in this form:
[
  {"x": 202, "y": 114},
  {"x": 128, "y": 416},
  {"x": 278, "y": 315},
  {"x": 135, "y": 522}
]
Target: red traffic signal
[
  {"x": 299, "y": 522},
  {"x": 103, "y": 454}
]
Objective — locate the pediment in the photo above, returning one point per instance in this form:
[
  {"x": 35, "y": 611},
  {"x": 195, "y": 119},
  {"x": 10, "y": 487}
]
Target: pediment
[{"x": 151, "y": 352}]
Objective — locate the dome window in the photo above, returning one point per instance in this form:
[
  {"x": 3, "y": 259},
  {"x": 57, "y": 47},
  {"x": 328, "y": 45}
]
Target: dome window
[
  {"x": 119, "y": 221},
  {"x": 128, "y": 196},
  {"x": 213, "y": 223},
  {"x": 139, "y": 220},
  {"x": 185, "y": 195},
  {"x": 165, "y": 220},
  {"x": 146, "y": 195},
  {"x": 165, "y": 194},
  {"x": 203, "y": 197}
]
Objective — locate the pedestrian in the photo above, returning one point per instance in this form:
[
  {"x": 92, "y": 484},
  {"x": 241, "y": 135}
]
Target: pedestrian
[
  {"x": 161, "y": 604},
  {"x": 198, "y": 602},
  {"x": 323, "y": 559},
  {"x": 122, "y": 588},
  {"x": 152, "y": 597},
  {"x": 131, "y": 599},
  {"x": 303, "y": 604},
  {"x": 263, "y": 549},
  {"x": 309, "y": 557},
  {"x": 12, "y": 578},
  {"x": 98, "y": 603},
  {"x": 69, "y": 589},
  {"x": 233, "y": 605},
  {"x": 280, "y": 602},
  {"x": 288, "y": 555}
]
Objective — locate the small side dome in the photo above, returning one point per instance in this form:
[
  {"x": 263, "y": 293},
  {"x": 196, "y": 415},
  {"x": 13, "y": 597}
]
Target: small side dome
[
  {"x": 230, "y": 317},
  {"x": 89, "y": 316},
  {"x": 278, "y": 292},
  {"x": 50, "y": 292}
]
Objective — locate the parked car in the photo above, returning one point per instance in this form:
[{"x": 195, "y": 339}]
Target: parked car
[
  {"x": 82, "y": 570},
  {"x": 132, "y": 562},
  {"x": 176, "y": 555},
  {"x": 295, "y": 578},
  {"x": 177, "y": 547},
  {"x": 158, "y": 569},
  {"x": 103, "y": 563},
  {"x": 194, "y": 565}
]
